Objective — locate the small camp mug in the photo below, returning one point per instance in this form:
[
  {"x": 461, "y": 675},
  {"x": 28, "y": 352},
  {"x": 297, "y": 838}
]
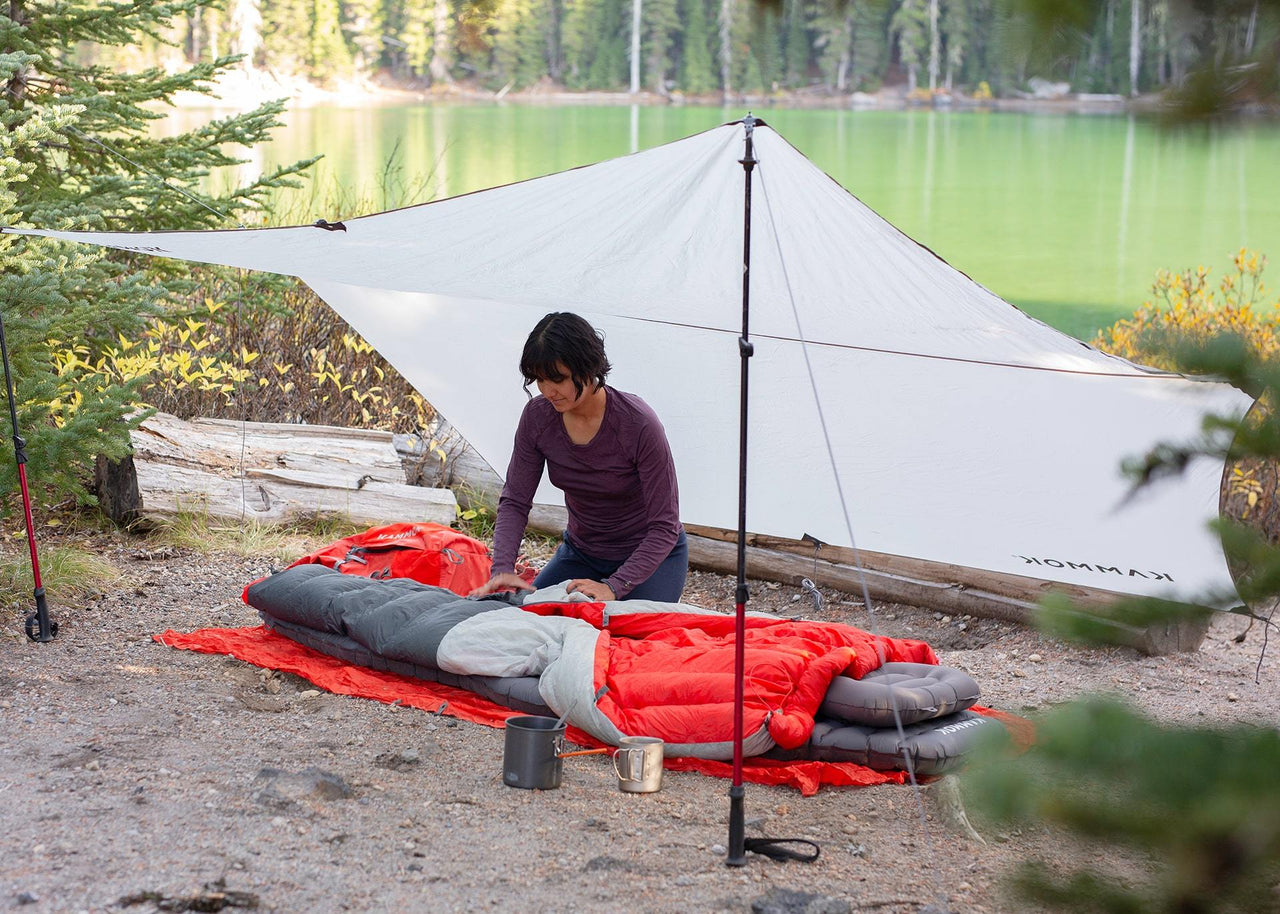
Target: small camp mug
[{"x": 638, "y": 763}]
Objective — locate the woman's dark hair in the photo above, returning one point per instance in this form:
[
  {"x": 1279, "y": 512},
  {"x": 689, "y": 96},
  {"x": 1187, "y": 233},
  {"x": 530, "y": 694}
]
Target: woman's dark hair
[{"x": 569, "y": 340}]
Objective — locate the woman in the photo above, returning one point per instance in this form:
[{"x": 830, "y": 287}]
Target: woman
[{"x": 607, "y": 451}]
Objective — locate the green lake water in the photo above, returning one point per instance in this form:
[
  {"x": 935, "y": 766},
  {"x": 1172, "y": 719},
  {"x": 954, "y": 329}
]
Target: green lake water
[{"x": 1066, "y": 216}]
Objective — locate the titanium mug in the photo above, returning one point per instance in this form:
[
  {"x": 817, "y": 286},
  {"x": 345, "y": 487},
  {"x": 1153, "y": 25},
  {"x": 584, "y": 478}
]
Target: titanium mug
[
  {"x": 531, "y": 752},
  {"x": 638, "y": 763}
]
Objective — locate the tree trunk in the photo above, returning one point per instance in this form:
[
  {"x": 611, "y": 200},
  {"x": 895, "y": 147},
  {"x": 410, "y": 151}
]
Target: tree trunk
[
  {"x": 1162, "y": 45},
  {"x": 214, "y": 29},
  {"x": 246, "y": 31},
  {"x": 1108, "y": 49},
  {"x": 440, "y": 47},
  {"x": 195, "y": 36},
  {"x": 846, "y": 55},
  {"x": 266, "y": 472},
  {"x": 933, "y": 45},
  {"x": 636, "y": 11},
  {"x": 1135, "y": 45},
  {"x": 726, "y": 47},
  {"x": 16, "y": 88},
  {"x": 555, "y": 59}
]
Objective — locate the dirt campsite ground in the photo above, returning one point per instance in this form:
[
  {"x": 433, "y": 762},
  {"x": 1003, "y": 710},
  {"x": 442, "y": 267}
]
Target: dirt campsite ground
[{"x": 136, "y": 777}]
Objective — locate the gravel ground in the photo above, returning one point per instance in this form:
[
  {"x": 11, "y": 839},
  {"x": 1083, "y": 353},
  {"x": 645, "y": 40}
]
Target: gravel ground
[{"x": 136, "y": 777}]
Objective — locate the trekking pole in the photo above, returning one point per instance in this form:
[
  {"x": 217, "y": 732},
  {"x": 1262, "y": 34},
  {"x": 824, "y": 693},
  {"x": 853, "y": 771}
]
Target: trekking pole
[
  {"x": 39, "y": 627},
  {"x": 736, "y": 854}
]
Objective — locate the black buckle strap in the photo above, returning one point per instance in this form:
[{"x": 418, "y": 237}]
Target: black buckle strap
[{"x": 773, "y": 849}]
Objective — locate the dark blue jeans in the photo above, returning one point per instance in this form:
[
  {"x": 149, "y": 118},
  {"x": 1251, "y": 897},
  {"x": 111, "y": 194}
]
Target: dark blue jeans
[{"x": 664, "y": 585}]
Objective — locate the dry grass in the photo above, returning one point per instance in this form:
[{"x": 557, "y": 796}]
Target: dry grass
[
  {"x": 70, "y": 573},
  {"x": 284, "y": 543}
]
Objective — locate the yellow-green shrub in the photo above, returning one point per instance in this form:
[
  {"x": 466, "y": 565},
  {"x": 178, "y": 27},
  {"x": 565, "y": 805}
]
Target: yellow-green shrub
[
  {"x": 1188, "y": 305},
  {"x": 1188, "y": 308},
  {"x": 296, "y": 363}
]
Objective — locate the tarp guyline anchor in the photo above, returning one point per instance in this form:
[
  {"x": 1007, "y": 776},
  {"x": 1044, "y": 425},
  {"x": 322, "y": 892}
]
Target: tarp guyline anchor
[
  {"x": 40, "y": 627},
  {"x": 809, "y": 585}
]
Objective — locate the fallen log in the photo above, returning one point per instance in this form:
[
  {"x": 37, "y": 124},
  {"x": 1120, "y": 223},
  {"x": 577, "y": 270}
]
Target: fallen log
[
  {"x": 262, "y": 471},
  {"x": 931, "y": 585}
]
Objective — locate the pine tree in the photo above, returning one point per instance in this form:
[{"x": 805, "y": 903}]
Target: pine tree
[
  {"x": 574, "y": 40},
  {"x": 416, "y": 36},
  {"x": 536, "y": 39},
  {"x": 520, "y": 41},
  {"x": 696, "y": 75},
  {"x": 594, "y": 44},
  {"x": 910, "y": 26},
  {"x": 75, "y": 152},
  {"x": 661, "y": 25},
  {"x": 868, "y": 47},
  {"x": 795, "y": 44},
  {"x": 286, "y": 34},
  {"x": 66, "y": 420},
  {"x": 958, "y": 36},
  {"x": 850, "y": 41},
  {"x": 358, "y": 27},
  {"x": 758, "y": 64},
  {"x": 999, "y": 59},
  {"x": 610, "y": 63},
  {"x": 833, "y": 31},
  {"x": 327, "y": 52}
]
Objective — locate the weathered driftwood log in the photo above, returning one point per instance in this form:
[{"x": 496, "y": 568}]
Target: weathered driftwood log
[
  {"x": 946, "y": 596},
  {"x": 933, "y": 585},
  {"x": 268, "y": 472}
]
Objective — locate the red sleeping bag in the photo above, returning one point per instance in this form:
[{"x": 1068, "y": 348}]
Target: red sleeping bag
[{"x": 427, "y": 553}]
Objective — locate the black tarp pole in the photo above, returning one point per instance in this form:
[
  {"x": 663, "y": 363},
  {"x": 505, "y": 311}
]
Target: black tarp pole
[
  {"x": 39, "y": 627},
  {"x": 737, "y": 853}
]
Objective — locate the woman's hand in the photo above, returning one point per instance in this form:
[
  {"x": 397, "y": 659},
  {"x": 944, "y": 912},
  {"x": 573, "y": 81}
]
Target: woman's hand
[
  {"x": 596, "y": 590},
  {"x": 506, "y": 581}
]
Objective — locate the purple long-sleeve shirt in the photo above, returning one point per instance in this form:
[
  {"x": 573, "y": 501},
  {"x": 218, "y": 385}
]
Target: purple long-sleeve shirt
[{"x": 619, "y": 488}]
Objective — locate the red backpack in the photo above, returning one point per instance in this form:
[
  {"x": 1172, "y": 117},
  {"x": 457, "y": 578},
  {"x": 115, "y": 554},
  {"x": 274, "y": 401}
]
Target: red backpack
[{"x": 428, "y": 553}]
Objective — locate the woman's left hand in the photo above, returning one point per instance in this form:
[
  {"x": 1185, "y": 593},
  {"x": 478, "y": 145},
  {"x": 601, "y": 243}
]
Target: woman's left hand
[{"x": 596, "y": 590}]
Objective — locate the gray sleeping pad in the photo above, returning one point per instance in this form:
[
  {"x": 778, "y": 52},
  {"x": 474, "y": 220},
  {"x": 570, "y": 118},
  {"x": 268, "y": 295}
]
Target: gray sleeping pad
[
  {"x": 932, "y": 746},
  {"x": 920, "y": 690}
]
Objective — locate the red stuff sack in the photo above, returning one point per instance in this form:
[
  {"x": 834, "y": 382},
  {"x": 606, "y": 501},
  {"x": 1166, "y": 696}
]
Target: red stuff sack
[{"x": 427, "y": 553}]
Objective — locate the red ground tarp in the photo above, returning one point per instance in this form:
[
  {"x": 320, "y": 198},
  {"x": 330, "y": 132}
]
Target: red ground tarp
[{"x": 265, "y": 648}]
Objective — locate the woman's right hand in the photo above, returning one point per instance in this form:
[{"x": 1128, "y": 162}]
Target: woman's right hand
[{"x": 506, "y": 581}]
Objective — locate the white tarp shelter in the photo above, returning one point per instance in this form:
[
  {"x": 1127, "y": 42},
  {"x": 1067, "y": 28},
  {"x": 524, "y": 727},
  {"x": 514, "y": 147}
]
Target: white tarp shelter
[{"x": 962, "y": 431}]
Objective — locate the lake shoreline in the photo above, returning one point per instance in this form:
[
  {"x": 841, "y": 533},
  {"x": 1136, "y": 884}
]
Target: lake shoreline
[{"x": 243, "y": 90}]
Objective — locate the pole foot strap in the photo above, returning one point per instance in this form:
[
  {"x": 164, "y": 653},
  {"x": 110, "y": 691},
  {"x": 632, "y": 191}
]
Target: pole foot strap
[
  {"x": 775, "y": 849},
  {"x": 41, "y": 630}
]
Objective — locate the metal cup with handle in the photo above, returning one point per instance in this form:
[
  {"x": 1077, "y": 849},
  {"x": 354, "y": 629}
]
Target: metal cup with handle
[{"x": 638, "y": 763}]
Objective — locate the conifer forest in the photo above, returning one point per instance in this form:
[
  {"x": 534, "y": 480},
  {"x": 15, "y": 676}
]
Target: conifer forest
[{"x": 704, "y": 47}]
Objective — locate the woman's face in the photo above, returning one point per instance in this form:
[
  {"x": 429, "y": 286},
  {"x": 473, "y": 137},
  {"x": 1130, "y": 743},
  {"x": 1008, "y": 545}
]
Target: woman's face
[{"x": 561, "y": 391}]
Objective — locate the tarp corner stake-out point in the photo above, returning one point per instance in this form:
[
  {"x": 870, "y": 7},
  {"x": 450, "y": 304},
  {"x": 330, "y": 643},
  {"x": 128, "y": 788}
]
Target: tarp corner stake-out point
[{"x": 962, "y": 430}]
